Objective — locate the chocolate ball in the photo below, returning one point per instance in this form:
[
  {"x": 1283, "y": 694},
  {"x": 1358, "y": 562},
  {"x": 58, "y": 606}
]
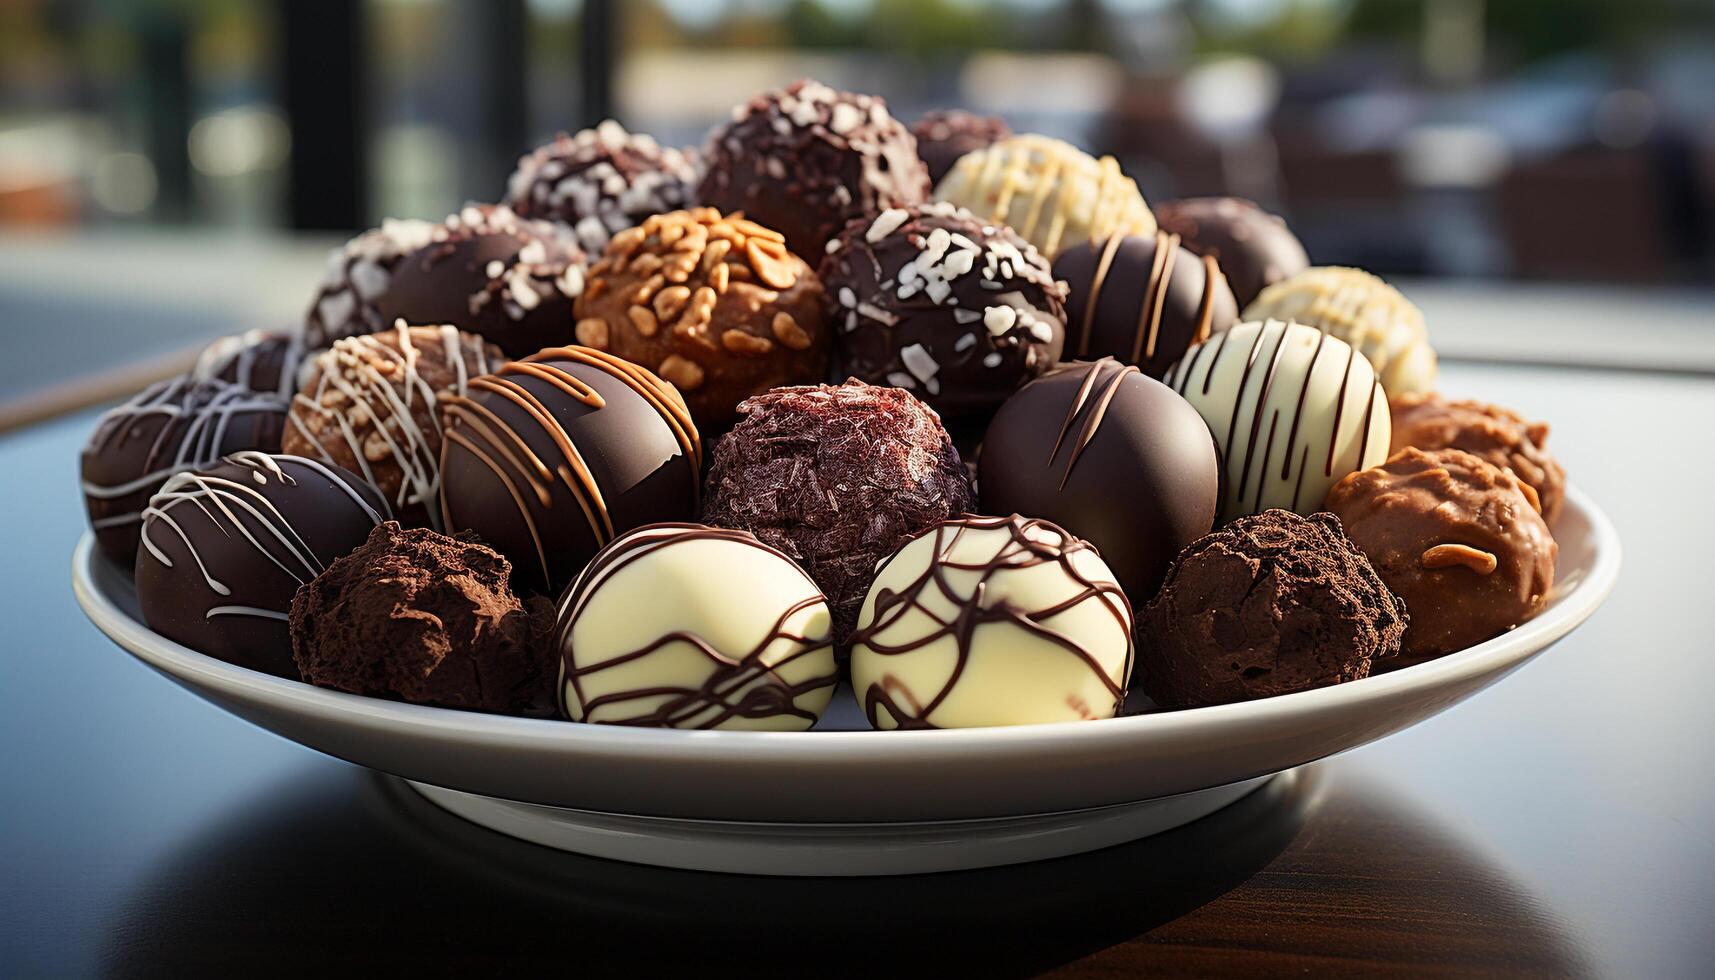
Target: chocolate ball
[
  {"x": 225, "y": 548},
  {"x": 716, "y": 305},
  {"x": 601, "y": 181},
  {"x": 369, "y": 404},
  {"x": 1142, "y": 299},
  {"x": 837, "y": 477},
  {"x": 171, "y": 427},
  {"x": 487, "y": 271},
  {"x": 550, "y": 458},
  {"x": 1255, "y": 248},
  {"x": 1111, "y": 455},
  {"x": 1362, "y": 310},
  {"x": 1499, "y": 435},
  {"x": 358, "y": 275},
  {"x": 257, "y": 360},
  {"x": 806, "y": 159},
  {"x": 945, "y": 135},
  {"x": 1457, "y": 538},
  {"x": 934, "y": 301}
]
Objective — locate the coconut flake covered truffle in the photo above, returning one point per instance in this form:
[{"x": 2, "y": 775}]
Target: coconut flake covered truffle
[{"x": 601, "y": 181}]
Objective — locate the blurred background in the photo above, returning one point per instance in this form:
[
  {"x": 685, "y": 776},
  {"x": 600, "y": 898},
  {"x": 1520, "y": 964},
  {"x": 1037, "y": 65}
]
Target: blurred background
[{"x": 174, "y": 169}]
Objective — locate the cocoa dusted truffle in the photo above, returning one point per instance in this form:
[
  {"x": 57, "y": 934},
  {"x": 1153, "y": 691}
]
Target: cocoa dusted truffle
[
  {"x": 601, "y": 181},
  {"x": 945, "y": 135},
  {"x": 837, "y": 477},
  {"x": 358, "y": 275},
  {"x": 1499, "y": 435},
  {"x": 1459, "y": 539},
  {"x": 256, "y": 360},
  {"x": 806, "y": 159},
  {"x": 418, "y": 616},
  {"x": 1270, "y": 604},
  {"x": 714, "y": 304},
  {"x": 490, "y": 272},
  {"x": 1255, "y": 248}
]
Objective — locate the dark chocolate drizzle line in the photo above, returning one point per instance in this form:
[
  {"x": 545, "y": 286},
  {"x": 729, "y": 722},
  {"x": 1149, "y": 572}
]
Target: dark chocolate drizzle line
[
  {"x": 1093, "y": 421},
  {"x": 1019, "y": 552}
]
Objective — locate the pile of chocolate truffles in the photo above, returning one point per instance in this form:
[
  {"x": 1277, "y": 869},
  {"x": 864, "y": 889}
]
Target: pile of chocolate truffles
[{"x": 660, "y": 437}]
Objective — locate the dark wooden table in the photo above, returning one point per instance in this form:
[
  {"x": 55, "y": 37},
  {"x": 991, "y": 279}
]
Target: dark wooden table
[{"x": 1562, "y": 823}]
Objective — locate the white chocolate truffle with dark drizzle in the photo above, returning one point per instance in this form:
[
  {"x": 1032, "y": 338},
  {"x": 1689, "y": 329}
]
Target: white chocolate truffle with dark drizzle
[
  {"x": 736, "y": 636},
  {"x": 1362, "y": 310},
  {"x": 992, "y": 621}
]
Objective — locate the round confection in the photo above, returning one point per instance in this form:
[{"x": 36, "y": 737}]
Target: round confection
[
  {"x": 415, "y": 615},
  {"x": 225, "y": 548},
  {"x": 945, "y": 135},
  {"x": 358, "y": 274},
  {"x": 716, "y": 305},
  {"x": 1499, "y": 435},
  {"x": 1362, "y": 310},
  {"x": 1457, "y": 538},
  {"x": 807, "y": 159},
  {"x": 256, "y": 360},
  {"x": 601, "y": 181},
  {"x": 1255, "y": 248},
  {"x": 369, "y": 405},
  {"x": 992, "y": 621},
  {"x": 171, "y": 427},
  {"x": 550, "y": 458},
  {"x": 489, "y": 272},
  {"x": 1270, "y": 604},
  {"x": 708, "y": 655},
  {"x": 1113, "y": 456},
  {"x": 837, "y": 477},
  {"x": 1292, "y": 410},
  {"x": 1050, "y": 192},
  {"x": 1142, "y": 299},
  {"x": 933, "y": 300}
]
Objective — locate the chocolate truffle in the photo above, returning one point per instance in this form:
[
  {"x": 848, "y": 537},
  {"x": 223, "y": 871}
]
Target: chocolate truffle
[
  {"x": 1270, "y": 604},
  {"x": 1365, "y": 312},
  {"x": 369, "y": 405},
  {"x": 256, "y": 360},
  {"x": 1457, "y": 538},
  {"x": 1499, "y": 435},
  {"x": 945, "y": 135},
  {"x": 601, "y": 181},
  {"x": 1255, "y": 248},
  {"x": 1111, "y": 455},
  {"x": 707, "y": 655},
  {"x": 1142, "y": 299},
  {"x": 992, "y": 621},
  {"x": 716, "y": 305},
  {"x": 1292, "y": 410},
  {"x": 933, "y": 300},
  {"x": 225, "y": 548},
  {"x": 418, "y": 616},
  {"x": 807, "y": 159},
  {"x": 1050, "y": 192},
  {"x": 487, "y": 271},
  {"x": 837, "y": 477},
  {"x": 358, "y": 274},
  {"x": 549, "y": 458},
  {"x": 171, "y": 427}
]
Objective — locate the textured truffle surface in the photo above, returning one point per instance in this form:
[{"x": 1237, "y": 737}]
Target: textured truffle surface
[
  {"x": 945, "y": 135},
  {"x": 419, "y": 616},
  {"x": 1270, "y": 604},
  {"x": 1254, "y": 248},
  {"x": 601, "y": 181},
  {"x": 358, "y": 274},
  {"x": 256, "y": 360},
  {"x": 1499, "y": 435}
]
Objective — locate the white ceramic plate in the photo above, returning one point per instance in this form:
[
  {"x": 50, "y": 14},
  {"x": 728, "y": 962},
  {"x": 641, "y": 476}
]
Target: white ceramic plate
[{"x": 843, "y": 801}]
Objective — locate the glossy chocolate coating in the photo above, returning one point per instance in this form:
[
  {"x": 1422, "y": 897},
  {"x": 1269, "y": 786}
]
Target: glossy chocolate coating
[
  {"x": 945, "y": 135},
  {"x": 1255, "y": 248}
]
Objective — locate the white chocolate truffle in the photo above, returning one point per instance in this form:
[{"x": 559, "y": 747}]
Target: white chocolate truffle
[
  {"x": 992, "y": 621},
  {"x": 1292, "y": 408},
  {"x": 1052, "y": 193},
  {"x": 689, "y": 626},
  {"x": 1362, "y": 310}
]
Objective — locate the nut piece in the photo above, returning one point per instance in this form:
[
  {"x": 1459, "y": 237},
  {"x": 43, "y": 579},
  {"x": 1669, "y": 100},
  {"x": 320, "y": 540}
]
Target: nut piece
[
  {"x": 669, "y": 301},
  {"x": 684, "y": 374},
  {"x": 770, "y": 261},
  {"x": 643, "y": 320},
  {"x": 740, "y": 342},
  {"x": 788, "y": 332},
  {"x": 592, "y": 332}
]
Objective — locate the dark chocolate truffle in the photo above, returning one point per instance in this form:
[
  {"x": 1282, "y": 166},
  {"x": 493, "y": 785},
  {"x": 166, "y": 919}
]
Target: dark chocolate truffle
[
  {"x": 358, "y": 274},
  {"x": 1112, "y": 456},
  {"x": 601, "y": 181},
  {"x": 1499, "y": 435},
  {"x": 550, "y": 458},
  {"x": 933, "y": 300},
  {"x": 256, "y": 360},
  {"x": 716, "y": 305},
  {"x": 837, "y": 477},
  {"x": 1270, "y": 604},
  {"x": 1142, "y": 299},
  {"x": 419, "y": 616},
  {"x": 489, "y": 272},
  {"x": 1255, "y": 248},
  {"x": 172, "y": 427},
  {"x": 1457, "y": 538},
  {"x": 945, "y": 135},
  {"x": 225, "y": 548},
  {"x": 806, "y": 159}
]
